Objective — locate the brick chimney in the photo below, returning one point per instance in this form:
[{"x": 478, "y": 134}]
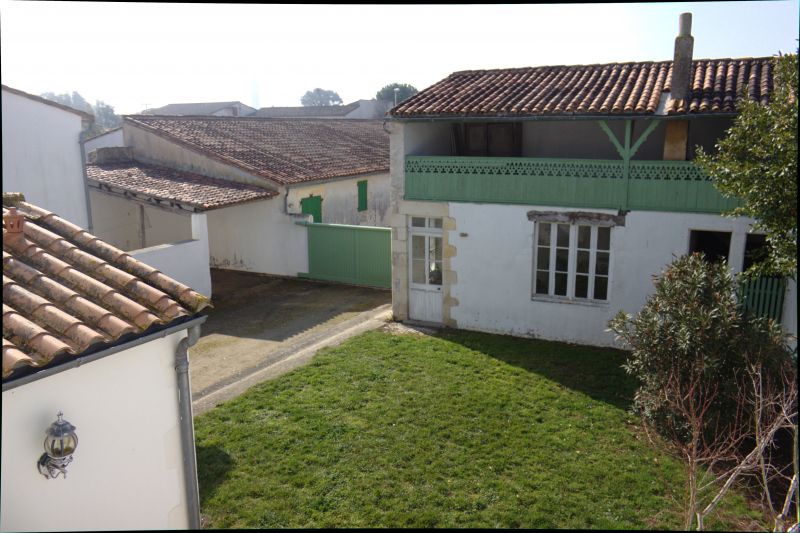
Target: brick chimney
[
  {"x": 13, "y": 222},
  {"x": 682, "y": 62}
]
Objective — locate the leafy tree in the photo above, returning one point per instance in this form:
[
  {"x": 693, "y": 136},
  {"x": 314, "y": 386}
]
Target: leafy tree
[
  {"x": 757, "y": 162},
  {"x": 404, "y": 92},
  {"x": 105, "y": 118},
  {"x": 320, "y": 97}
]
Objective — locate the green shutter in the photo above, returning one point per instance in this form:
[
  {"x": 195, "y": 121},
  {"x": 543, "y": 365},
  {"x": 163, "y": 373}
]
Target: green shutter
[
  {"x": 362, "y": 195},
  {"x": 312, "y": 206}
]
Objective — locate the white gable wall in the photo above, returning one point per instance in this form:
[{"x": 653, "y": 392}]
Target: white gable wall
[
  {"x": 127, "y": 471},
  {"x": 42, "y": 156},
  {"x": 340, "y": 200},
  {"x": 109, "y": 139}
]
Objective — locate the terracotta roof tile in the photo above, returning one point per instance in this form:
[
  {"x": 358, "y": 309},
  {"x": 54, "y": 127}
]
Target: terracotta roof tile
[
  {"x": 284, "y": 151},
  {"x": 185, "y": 188},
  {"x": 610, "y": 89},
  {"x": 66, "y": 293}
]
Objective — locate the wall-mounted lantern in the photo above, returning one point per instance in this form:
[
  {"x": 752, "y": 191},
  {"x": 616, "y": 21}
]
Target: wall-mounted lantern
[{"x": 59, "y": 444}]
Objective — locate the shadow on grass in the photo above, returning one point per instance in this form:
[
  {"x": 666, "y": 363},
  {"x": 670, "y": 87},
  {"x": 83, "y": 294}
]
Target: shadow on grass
[
  {"x": 596, "y": 372},
  {"x": 213, "y": 466}
]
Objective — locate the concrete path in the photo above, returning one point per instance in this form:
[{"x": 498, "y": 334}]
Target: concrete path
[
  {"x": 289, "y": 357},
  {"x": 263, "y": 326}
]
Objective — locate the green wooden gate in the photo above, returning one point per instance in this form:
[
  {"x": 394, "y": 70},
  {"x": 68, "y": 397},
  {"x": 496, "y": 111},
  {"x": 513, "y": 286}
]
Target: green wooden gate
[
  {"x": 359, "y": 255},
  {"x": 764, "y": 297}
]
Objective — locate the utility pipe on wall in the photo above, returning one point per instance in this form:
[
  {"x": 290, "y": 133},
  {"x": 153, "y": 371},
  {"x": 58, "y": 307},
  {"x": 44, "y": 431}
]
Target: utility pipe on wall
[{"x": 187, "y": 426}]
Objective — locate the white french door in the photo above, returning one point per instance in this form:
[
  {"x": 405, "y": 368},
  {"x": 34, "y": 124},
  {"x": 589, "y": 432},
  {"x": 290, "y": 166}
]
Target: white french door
[{"x": 425, "y": 269}]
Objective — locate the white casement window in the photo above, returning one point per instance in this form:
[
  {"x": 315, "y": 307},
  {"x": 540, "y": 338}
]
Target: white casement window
[{"x": 571, "y": 261}]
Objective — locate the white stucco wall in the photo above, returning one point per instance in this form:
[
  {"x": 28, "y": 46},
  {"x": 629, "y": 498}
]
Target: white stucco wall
[
  {"x": 184, "y": 261},
  {"x": 258, "y": 237},
  {"x": 42, "y": 156},
  {"x": 118, "y": 221},
  {"x": 340, "y": 200},
  {"x": 127, "y": 471},
  {"x": 493, "y": 267},
  {"x": 108, "y": 139}
]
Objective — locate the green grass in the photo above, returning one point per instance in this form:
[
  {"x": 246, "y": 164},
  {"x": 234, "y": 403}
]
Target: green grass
[{"x": 459, "y": 430}]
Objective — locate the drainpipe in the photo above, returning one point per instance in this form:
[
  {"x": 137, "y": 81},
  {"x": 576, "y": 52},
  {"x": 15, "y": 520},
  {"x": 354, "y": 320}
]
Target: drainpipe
[
  {"x": 82, "y": 147},
  {"x": 187, "y": 426}
]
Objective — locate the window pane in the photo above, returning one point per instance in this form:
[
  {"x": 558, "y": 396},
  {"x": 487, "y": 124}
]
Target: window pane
[
  {"x": 418, "y": 271},
  {"x": 544, "y": 234},
  {"x": 418, "y": 222},
  {"x": 563, "y": 235},
  {"x": 436, "y": 248},
  {"x": 418, "y": 247},
  {"x": 601, "y": 267},
  {"x": 434, "y": 222},
  {"x": 603, "y": 238},
  {"x": 600, "y": 287},
  {"x": 583, "y": 262},
  {"x": 543, "y": 258},
  {"x": 562, "y": 256},
  {"x": 435, "y": 274},
  {"x": 584, "y": 236},
  {"x": 581, "y": 286},
  {"x": 542, "y": 280},
  {"x": 561, "y": 285}
]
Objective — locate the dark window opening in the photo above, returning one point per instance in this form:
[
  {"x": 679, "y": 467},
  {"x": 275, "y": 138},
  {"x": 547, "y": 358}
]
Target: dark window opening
[
  {"x": 714, "y": 244},
  {"x": 492, "y": 140},
  {"x": 755, "y": 250}
]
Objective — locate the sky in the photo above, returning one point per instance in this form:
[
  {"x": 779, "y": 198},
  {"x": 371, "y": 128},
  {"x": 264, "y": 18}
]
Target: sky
[{"x": 138, "y": 55}]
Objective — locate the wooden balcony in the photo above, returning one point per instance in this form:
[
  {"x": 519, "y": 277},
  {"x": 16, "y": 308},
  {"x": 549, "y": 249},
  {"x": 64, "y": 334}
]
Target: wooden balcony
[{"x": 587, "y": 183}]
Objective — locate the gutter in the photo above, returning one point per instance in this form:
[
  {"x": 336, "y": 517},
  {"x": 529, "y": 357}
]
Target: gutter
[{"x": 558, "y": 118}]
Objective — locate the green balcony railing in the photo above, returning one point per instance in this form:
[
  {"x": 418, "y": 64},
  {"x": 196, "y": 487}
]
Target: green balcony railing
[{"x": 597, "y": 183}]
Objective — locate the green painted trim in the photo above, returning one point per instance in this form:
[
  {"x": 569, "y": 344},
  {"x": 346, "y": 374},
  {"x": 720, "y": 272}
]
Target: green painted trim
[
  {"x": 613, "y": 138},
  {"x": 312, "y": 206},
  {"x": 362, "y": 195}
]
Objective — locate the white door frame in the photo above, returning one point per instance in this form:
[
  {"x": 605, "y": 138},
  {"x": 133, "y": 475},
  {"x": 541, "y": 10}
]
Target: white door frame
[{"x": 425, "y": 299}]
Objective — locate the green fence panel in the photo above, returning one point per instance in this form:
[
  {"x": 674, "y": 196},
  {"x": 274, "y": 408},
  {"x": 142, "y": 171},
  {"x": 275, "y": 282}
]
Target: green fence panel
[
  {"x": 764, "y": 296},
  {"x": 597, "y": 183},
  {"x": 359, "y": 255}
]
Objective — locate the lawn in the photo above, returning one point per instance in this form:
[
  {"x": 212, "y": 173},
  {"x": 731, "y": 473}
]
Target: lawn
[{"x": 461, "y": 429}]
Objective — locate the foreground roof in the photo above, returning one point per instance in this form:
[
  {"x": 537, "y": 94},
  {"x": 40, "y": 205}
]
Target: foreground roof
[
  {"x": 66, "y": 293},
  {"x": 187, "y": 189},
  {"x": 591, "y": 90},
  {"x": 284, "y": 151},
  {"x": 199, "y": 108},
  {"x": 83, "y": 114}
]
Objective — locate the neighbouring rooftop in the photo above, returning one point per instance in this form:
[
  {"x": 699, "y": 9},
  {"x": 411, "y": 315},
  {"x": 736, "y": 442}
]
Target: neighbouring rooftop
[
  {"x": 170, "y": 187},
  {"x": 67, "y": 294},
  {"x": 284, "y": 151},
  {"x": 591, "y": 90}
]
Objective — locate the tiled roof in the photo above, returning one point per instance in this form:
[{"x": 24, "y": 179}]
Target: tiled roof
[
  {"x": 185, "y": 188},
  {"x": 307, "y": 111},
  {"x": 67, "y": 293},
  {"x": 84, "y": 115},
  {"x": 285, "y": 151},
  {"x": 199, "y": 108},
  {"x": 612, "y": 89}
]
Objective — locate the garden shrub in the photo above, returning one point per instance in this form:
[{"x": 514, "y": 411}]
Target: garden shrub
[{"x": 693, "y": 322}]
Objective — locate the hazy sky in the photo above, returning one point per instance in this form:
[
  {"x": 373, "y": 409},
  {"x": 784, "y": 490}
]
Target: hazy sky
[{"x": 135, "y": 55}]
